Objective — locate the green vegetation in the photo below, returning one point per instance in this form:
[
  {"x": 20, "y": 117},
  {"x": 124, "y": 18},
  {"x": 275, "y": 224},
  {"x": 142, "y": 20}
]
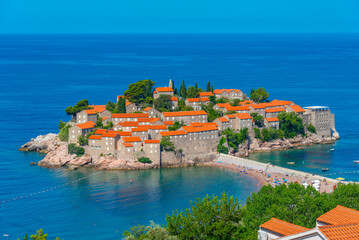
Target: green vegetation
[
  {"x": 40, "y": 235},
  {"x": 234, "y": 102},
  {"x": 258, "y": 119},
  {"x": 259, "y": 95},
  {"x": 163, "y": 103},
  {"x": 109, "y": 125},
  {"x": 291, "y": 124},
  {"x": 144, "y": 160},
  {"x": 183, "y": 90},
  {"x": 81, "y": 105},
  {"x": 212, "y": 99},
  {"x": 271, "y": 134},
  {"x": 110, "y": 106},
  {"x": 224, "y": 218},
  {"x": 257, "y": 133},
  {"x": 121, "y": 105},
  {"x": 73, "y": 149},
  {"x": 311, "y": 128},
  {"x": 193, "y": 92},
  {"x": 82, "y": 140},
  {"x": 212, "y": 114},
  {"x": 220, "y": 147},
  {"x": 64, "y": 131},
  {"x": 235, "y": 139},
  {"x": 153, "y": 232},
  {"x": 99, "y": 121},
  {"x": 209, "y": 87},
  {"x": 222, "y": 100},
  {"x": 176, "y": 126},
  {"x": 166, "y": 144},
  {"x": 138, "y": 92}
]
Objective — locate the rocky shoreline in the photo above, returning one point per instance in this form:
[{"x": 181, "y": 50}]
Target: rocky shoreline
[{"x": 57, "y": 156}]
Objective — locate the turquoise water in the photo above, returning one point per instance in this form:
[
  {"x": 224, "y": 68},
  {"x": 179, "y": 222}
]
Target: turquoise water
[{"x": 40, "y": 75}]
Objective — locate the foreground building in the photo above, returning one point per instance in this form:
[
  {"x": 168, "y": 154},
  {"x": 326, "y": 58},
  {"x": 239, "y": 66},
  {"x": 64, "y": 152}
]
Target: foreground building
[{"x": 323, "y": 120}]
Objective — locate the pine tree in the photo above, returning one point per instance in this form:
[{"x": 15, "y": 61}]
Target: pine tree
[
  {"x": 117, "y": 110},
  {"x": 212, "y": 88},
  {"x": 208, "y": 89},
  {"x": 122, "y": 107},
  {"x": 183, "y": 90},
  {"x": 195, "y": 86},
  {"x": 148, "y": 89}
]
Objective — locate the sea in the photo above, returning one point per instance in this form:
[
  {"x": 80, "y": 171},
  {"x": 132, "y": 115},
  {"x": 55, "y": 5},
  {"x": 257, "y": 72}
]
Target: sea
[{"x": 40, "y": 75}]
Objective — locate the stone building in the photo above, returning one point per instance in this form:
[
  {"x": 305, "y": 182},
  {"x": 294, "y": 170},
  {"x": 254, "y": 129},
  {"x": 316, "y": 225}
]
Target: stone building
[
  {"x": 273, "y": 112},
  {"x": 135, "y": 141},
  {"x": 295, "y": 108},
  {"x": 162, "y": 91},
  {"x": 185, "y": 116},
  {"x": 238, "y": 109},
  {"x": 141, "y": 132},
  {"x": 222, "y": 107},
  {"x": 194, "y": 102},
  {"x": 131, "y": 107},
  {"x": 231, "y": 121},
  {"x": 92, "y": 114},
  {"x": 229, "y": 93},
  {"x": 271, "y": 122},
  {"x": 152, "y": 150},
  {"x": 125, "y": 126},
  {"x": 80, "y": 130},
  {"x": 122, "y": 117},
  {"x": 243, "y": 120},
  {"x": 222, "y": 123},
  {"x": 174, "y": 102},
  {"x": 257, "y": 108},
  {"x": 152, "y": 112},
  {"x": 323, "y": 120}
]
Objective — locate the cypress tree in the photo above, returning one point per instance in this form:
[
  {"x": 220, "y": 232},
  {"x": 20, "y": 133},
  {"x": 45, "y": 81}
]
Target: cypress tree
[
  {"x": 212, "y": 88},
  {"x": 117, "y": 110},
  {"x": 183, "y": 90},
  {"x": 122, "y": 106},
  {"x": 208, "y": 89},
  {"x": 195, "y": 86},
  {"x": 148, "y": 89}
]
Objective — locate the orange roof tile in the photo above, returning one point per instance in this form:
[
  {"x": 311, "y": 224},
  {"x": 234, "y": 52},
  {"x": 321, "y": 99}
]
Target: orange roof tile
[
  {"x": 119, "y": 96},
  {"x": 297, "y": 108},
  {"x": 191, "y": 129},
  {"x": 110, "y": 134},
  {"x": 223, "y": 105},
  {"x": 173, "y": 133},
  {"x": 98, "y": 108},
  {"x": 184, "y": 113},
  {"x": 131, "y": 139},
  {"x": 100, "y": 131},
  {"x": 341, "y": 232},
  {"x": 168, "y": 122},
  {"x": 238, "y": 108},
  {"x": 193, "y": 99},
  {"x": 205, "y": 94},
  {"x": 199, "y": 124},
  {"x": 130, "y": 115},
  {"x": 246, "y": 102},
  {"x": 147, "y": 109},
  {"x": 282, "y": 227},
  {"x": 223, "y": 119},
  {"x": 274, "y": 119},
  {"x": 257, "y": 106},
  {"x": 174, "y": 99},
  {"x": 90, "y": 111},
  {"x": 86, "y": 125},
  {"x": 219, "y": 91},
  {"x": 152, "y": 141},
  {"x": 271, "y": 110},
  {"x": 124, "y": 133},
  {"x": 281, "y": 102},
  {"x": 127, "y": 144},
  {"x": 103, "y": 119},
  {"x": 230, "y": 116},
  {"x": 144, "y": 119},
  {"x": 155, "y": 120},
  {"x": 140, "y": 129},
  {"x": 127, "y": 103},
  {"x": 128, "y": 124},
  {"x": 97, "y": 137},
  {"x": 204, "y": 99},
  {"x": 340, "y": 215},
  {"x": 157, "y": 127},
  {"x": 164, "y": 89},
  {"x": 243, "y": 115},
  {"x": 112, "y": 131}
]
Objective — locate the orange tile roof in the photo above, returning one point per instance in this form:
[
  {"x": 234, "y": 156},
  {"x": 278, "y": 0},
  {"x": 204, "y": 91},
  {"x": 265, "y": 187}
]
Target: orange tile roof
[
  {"x": 281, "y": 102},
  {"x": 223, "y": 119},
  {"x": 100, "y": 131},
  {"x": 174, "y": 99},
  {"x": 193, "y": 99},
  {"x": 246, "y": 102},
  {"x": 243, "y": 115},
  {"x": 271, "y": 110},
  {"x": 204, "y": 99},
  {"x": 103, "y": 119},
  {"x": 164, "y": 89},
  {"x": 274, "y": 119},
  {"x": 118, "y": 97},
  {"x": 110, "y": 134},
  {"x": 173, "y": 133},
  {"x": 238, "y": 108},
  {"x": 205, "y": 94},
  {"x": 90, "y": 111},
  {"x": 184, "y": 113},
  {"x": 140, "y": 129},
  {"x": 127, "y": 144},
  {"x": 223, "y": 105},
  {"x": 99, "y": 108},
  {"x": 147, "y": 109},
  {"x": 191, "y": 129},
  {"x": 341, "y": 232},
  {"x": 128, "y": 103},
  {"x": 152, "y": 141},
  {"x": 219, "y": 91},
  {"x": 199, "y": 124},
  {"x": 257, "y": 106},
  {"x": 282, "y": 227},
  {"x": 230, "y": 116},
  {"x": 86, "y": 125},
  {"x": 297, "y": 108},
  {"x": 128, "y": 124},
  {"x": 168, "y": 122},
  {"x": 130, "y": 115},
  {"x": 131, "y": 139},
  {"x": 112, "y": 131},
  {"x": 340, "y": 215},
  {"x": 97, "y": 137},
  {"x": 123, "y": 133},
  {"x": 157, "y": 127},
  {"x": 155, "y": 120},
  {"x": 144, "y": 119}
]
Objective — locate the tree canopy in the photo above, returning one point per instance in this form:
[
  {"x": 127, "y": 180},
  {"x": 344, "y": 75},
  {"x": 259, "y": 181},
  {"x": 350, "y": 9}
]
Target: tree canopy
[
  {"x": 291, "y": 124},
  {"x": 139, "y": 91},
  {"x": 81, "y": 105},
  {"x": 163, "y": 103},
  {"x": 121, "y": 105},
  {"x": 259, "y": 95}
]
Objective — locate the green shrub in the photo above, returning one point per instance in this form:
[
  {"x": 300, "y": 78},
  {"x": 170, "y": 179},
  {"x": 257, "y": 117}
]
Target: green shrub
[
  {"x": 222, "y": 149},
  {"x": 257, "y": 133},
  {"x": 73, "y": 149},
  {"x": 291, "y": 124},
  {"x": 176, "y": 126},
  {"x": 311, "y": 128},
  {"x": 166, "y": 144},
  {"x": 64, "y": 132},
  {"x": 144, "y": 160}
]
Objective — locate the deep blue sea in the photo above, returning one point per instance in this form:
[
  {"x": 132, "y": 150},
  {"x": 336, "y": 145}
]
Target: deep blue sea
[{"x": 40, "y": 75}]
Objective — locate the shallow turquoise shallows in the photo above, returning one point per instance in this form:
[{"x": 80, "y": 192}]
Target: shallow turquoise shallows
[{"x": 41, "y": 75}]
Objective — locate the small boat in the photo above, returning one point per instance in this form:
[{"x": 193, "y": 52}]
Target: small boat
[
  {"x": 325, "y": 169},
  {"x": 331, "y": 150},
  {"x": 291, "y": 163},
  {"x": 356, "y": 161}
]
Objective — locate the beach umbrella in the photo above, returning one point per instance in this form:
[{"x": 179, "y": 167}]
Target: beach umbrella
[
  {"x": 317, "y": 181},
  {"x": 305, "y": 185},
  {"x": 340, "y": 179}
]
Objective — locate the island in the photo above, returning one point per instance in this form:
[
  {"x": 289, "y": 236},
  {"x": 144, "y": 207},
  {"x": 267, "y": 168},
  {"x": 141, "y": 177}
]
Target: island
[{"x": 152, "y": 127}]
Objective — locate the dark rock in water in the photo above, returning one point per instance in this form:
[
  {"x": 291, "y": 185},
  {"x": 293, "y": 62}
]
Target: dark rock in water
[
  {"x": 73, "y": 167},
  {"x": 33, "y": 163}
]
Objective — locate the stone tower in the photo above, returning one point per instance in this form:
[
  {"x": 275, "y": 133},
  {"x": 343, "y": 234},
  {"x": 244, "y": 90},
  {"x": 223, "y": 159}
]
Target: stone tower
[{"x": 170, "y": 84}]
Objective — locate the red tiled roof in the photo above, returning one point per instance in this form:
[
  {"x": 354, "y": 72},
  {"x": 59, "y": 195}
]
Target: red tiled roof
[
  {"x": 191, "y": 129},
  {"x": 184, "y": 113},
  {"x": 271, "y": 110},
  {"x": 174, "y": 99},
  {"x": 168, "y": 122},
  {"x": 223, "y": 119},
  {"x": 144, "y": 119},
  {"x": 127, "y": 144},
  {"x": 131, "y": 139},
  {"x": 199, "y": 124},
  {"x": 157, "y": 127},
  {"x": 230, "y": 116},
  {"x": 103, "y": 119},
  {"x": 100, "y": 131},
  {"x": 164, "y": 89},
  {"x": 243, "y": 115},
  {"x": 193, "y": 99},
  {"x": 140, "y": 129},
  {"x": 147, "y": 109},
  {"x": 173, "y": 133},
  {"x": 223, "y": 105},
  {"x": 128, "y": 124},
  {"x": 238, "y": 108},
  {"x": 97, "y": 137},
  {"x": 155, "y": 120},
  {"x": 205, "y": 94},
  {"x": 98, "y": 108},
  {"x": 123, "y": 133},
  {"x": 219, "y": 91},
  {"x": 282, "y": 227},
  {"x": 127, "y": 103},
  {"x": 274, "y": 119},
  {"x": 90, "y": 111},
  {"x": 110, "y": 134},
  {"x": 86, "y": 125},
  {"x": 297, "y": 108},
  {"x": 341, "y": 232},
  {"x": 204, "y": 99},
  {"x": 130, "y": 115},
  {"x": 257, "y": 106},
  {"x": 152, "y": 141},
  {"x": 340, "y": 215}
]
